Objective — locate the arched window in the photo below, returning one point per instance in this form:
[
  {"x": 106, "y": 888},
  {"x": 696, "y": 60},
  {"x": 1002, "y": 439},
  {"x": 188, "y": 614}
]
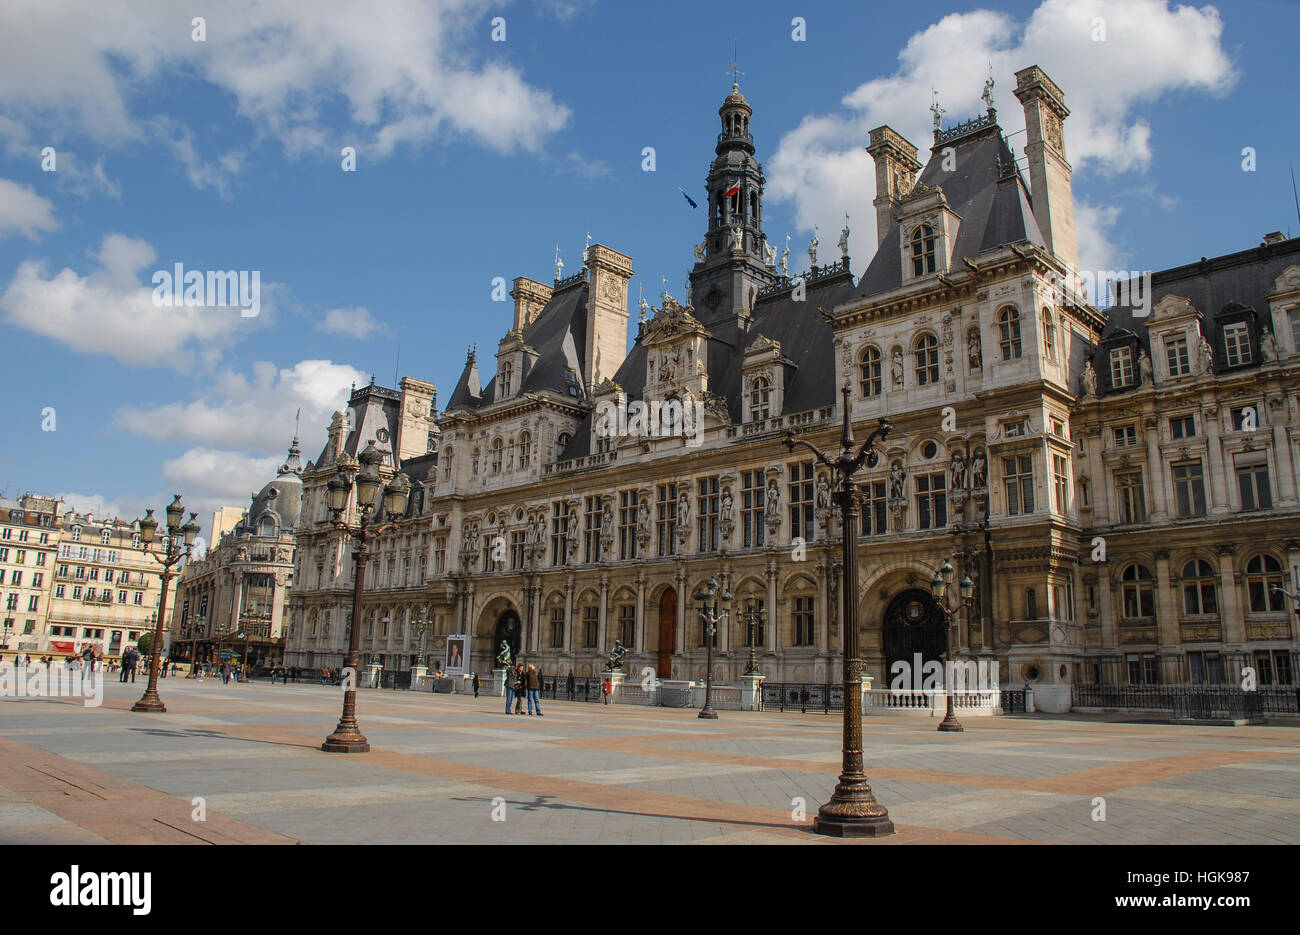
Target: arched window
[
  {"x": 1263, "y": 574},
  {"x": 525, "y": 450},
  {"x": 927, "y": 359},
  {"x": 760, "y": 399},
  {"x": 753, "y": 205},
  {"x": 1139, "y": 595},
  {"x": 869, "y": 372},
  {"x": 498, "y": 448},
  {"x": 448, "y": 456},
  {"x": 266, "y": 527},
  {"x": 1031, "y": 604},
  {"x": 507, "y": 378},
  {"x": 1200, "y": 595},
  {"x": 1009, "y": 325},
  {"x": 105, "y": 537},
  {"x": 76, "y": 533},
  {"x": 560, "y": 444},
  {"x": 923, "y": 260},
  {"x": 1049, "y": 338}
]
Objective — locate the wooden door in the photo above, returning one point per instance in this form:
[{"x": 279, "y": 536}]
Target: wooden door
[{"x": 667, "y": 632}]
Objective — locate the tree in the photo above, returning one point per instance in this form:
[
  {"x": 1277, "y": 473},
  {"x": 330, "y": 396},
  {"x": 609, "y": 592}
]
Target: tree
[{"x": 144, "y": 644}]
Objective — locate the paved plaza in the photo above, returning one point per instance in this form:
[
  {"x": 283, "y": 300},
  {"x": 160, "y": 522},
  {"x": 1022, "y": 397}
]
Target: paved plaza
[{"x": 452, "y": 769}]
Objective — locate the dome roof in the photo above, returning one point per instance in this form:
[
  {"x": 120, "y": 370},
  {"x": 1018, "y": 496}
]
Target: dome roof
[
  {"x": 735, "y": 99},
  {"x": 281, "y": 499}
]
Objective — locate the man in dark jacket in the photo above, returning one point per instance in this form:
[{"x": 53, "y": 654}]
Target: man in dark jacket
[
  {"x": 512, "y": 686},
  {"x": 521, "y": 689},
  {"x": 534, "y": 683}
]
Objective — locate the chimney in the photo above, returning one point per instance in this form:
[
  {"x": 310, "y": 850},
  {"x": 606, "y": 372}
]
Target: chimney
[
  {"x": 1049, "y": 173},
  {"x": 896, "y": 168},
  {"x": 606, "y": 313},
  {"x": 530, "y": 298},
  {"x": 416, "y": 419}
]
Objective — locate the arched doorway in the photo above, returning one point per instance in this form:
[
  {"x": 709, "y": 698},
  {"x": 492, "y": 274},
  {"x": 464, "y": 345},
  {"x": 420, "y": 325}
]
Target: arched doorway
[
  {"x": 913, "y": 624},
  {"x": 508, "y": 629},
  {"x": 667, "y": 632}
]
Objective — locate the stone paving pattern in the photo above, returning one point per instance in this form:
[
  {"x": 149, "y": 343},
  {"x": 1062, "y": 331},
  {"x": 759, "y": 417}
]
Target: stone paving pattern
[{"x": 587, "y": 773}]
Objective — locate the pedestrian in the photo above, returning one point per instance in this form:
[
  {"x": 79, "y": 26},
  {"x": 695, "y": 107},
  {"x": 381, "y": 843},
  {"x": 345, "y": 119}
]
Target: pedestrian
[
  {"x": 512, "y": 684},
  {"x": 134, "y": 655},
  {"x": 569, "y": 684},
  {"x": 520, "y": 691},
  {"x": 534, "y": 690},
  {"x": 162, "y": 668},
  {"x": 225, "y": 672},
  {"x": 476, "y": 684}
]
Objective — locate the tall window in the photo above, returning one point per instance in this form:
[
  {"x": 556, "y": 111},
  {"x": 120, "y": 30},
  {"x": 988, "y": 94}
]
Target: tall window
[
  {"x": 525, "y": 450},
  {"x": 1182, "y": 426},
  {"x": 627, "y": 624},
  {"x": 560, "y": 532},
  {"x": 627, "y": 510},
  {"x": 498, "y": 447},
  {"x": 1130, "y": 497},
  {"x": 707, "y": 511},
  {"x": 1176, "y": 353},
  {"x": 757, "y": 634},
  {"x": 507, "y": 378},
  {"x": 1031, "y": 604},
  {"x": 874, "y": 509},
  {"x": 1139, "y": 595},
  {"x": 927, "y": 360},
  {"x": 1121, "y": 366},
  {"x": 1263, "y": 574},
  {"x": 1294, "y": 318},
  {"x": 1009, "y": 332},
  {"x": 760, "y": 399},
  {"x": 923, "y": 257},
  {"x": 1061, "y": 483},
  {"x": 1200, "y": 594},
  {"x": 1252, "y": 482},
  {"x": 753, "y": 508},
  {"x": 869, "y": 372},
  {"x": 447, "y": 460},
  {"x": 931, "y": 500},
  {"x": 591, "y": 530},
  {"x": 803, "y": 522},
  {"x": 440, "y": 555},
  {"x": 590, "y": 623},
  {"x": 804, "y": 618},
  {"x": 1205, "y": 668},
  {"x": 666, "y": 518},
  {"x": 1236, "y": 344},
  {"x": 1049, "y": 338},
  {"x": 1189, "y": 488},
  {"x": 1018, "y": 476},
  {"x": 518, "y": 538},
  {"x": 1126, "y": 436},
  {"x": 557, "y": 627}
]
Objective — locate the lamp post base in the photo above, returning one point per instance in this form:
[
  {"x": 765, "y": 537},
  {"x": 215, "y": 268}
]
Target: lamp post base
[
  {"x": 708, "y": 714},
  {"x": 950, "y": 724},
  {"x": 346, "y": 739},
  {"x": 853, "y": 812},
  {"x": 150, "y": 703}
]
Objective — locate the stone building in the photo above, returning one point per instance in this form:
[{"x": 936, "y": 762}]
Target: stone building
[
  {"x": 233, "y": 600},
  {"x": 586, "y": 491},
  {"x": 29, "y": 537}
]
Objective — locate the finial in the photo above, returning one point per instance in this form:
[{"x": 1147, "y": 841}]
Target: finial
[
  {"x": 559, "y": 264},
  {"x": 586, "y": 251},
  {"x": 987, "y": 96},
  {"x": 937, "y": 111},
  {"x": 734, "y": 68},
  {"x": 641, "y": 302}
]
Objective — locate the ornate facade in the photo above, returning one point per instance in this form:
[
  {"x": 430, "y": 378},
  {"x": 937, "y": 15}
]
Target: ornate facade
[{"x": 587, "y": 491}]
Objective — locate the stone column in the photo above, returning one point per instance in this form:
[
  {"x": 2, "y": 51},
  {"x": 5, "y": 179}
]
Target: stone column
[
  {"x": 1106, "y": 607},
  {"x": 1166, "y": 609},
  {"x": 770, "y": 637},
  {"x": 683, "y": 625},
  {"x": 1157, "y": 482},
  {"x": 1218, "y": 492},
  {"x": 1232, "y": 610},
  {"x": 1286, "y": 487},
  {"x": 568, "y": 613},
  {"x": 821, "y": 620},
  {"x": 601, "y": 627},
  {"x": 640, "y": 612}
]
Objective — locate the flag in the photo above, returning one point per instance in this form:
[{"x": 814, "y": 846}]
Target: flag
[
  {"x": 688, "y": 198},
  {"x": 732, "y": 190}
]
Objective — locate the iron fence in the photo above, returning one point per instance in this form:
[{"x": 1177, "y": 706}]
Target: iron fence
[
  {"x": 823, "y": 697},
  {"x": 1181, "y": 701},
  {"x": 1013, "y": 701},
  {"x": 573, "y": 688}
]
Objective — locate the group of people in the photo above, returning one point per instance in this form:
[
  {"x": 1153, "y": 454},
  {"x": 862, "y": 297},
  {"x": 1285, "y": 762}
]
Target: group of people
[
  {"x": 89, "y": 661},
  {"x": 521, "y": 681}
]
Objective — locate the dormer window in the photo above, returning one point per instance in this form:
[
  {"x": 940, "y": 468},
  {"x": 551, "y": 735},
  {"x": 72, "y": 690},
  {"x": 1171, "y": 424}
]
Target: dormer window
[
  {"x": 923, "y": 255},
  {"x": 1178, "y": 356},
  {"x": 76, "y": 533},
  {"x": 1009, "y": 328},
  {"x": 760, "y": 399},
  {"x": 506, "y": 378},
  {"x": 1121, "y": 366},
  {"x": 1236, "y": 344},
  {"x": 560, "y": 444},
  {"x": 571, "y": 381},
  {"x": 105, "y": 537}
]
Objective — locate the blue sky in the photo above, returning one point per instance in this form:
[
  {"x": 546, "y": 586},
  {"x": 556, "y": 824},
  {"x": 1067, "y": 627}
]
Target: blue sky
[{"x": 474, "y": 158}]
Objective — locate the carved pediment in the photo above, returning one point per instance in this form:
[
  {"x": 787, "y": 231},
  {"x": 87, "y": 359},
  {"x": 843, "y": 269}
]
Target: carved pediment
[
  {"x": 1173, "y": 306},
  {"x": 607, "y": 387},
  {"x": 671, "y": 321},
  {"x": 1289, "y": 281}
]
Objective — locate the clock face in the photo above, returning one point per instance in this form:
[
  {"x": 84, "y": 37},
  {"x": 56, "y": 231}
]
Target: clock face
[{"x": 382, "y": 435}]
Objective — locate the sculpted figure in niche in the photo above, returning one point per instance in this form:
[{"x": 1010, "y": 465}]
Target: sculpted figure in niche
[
  {"x": 897, "y": 477},
  {"x": 896, "y": 368},
  {"x": 1089, "y": 379},
  {"x": 973, "y": 352}
]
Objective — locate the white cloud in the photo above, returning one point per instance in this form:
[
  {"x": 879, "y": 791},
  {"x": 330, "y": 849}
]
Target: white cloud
[
  {"x": 354, "y": 322},
  {"x": 110, "y": 311},
  {"x": 254, "y": 413},
  {"x": 212, "y": 477},
  {"x": 1149, "y": 51},
  {"x": 1092, "y": 229},
  {"x": 23, "y": 211},
  {"x": 124, "y": 508},
  {"x": 310, "y": 75}
]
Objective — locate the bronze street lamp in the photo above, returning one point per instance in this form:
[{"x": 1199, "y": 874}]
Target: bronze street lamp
[
  {"x": 173, "y": 553},
  {"x": 347, "y": 736},
  {"x": 710, "y": 617},
  {"x": 939, "y": 588},
  {"x": 852, "y": 811},
  {"x": 421, "y": 625},
  {"x": 755, "y": 621}
]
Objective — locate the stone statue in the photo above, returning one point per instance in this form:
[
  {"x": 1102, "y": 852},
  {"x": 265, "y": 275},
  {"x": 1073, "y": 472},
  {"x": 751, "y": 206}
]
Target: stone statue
[
  {"x": 987, "y": 96},
  {"x": 1204, "y": 356},
  {"x": 973, "y": 351},
  {"x": 534, "y": 531},
  {"x": 1144, "y": 367},
  {"x": 979, "y": 470},
  {"x": 812, "y": 249},
  {"x": 586, "y": 251},
  {"x": 241, "y": 555},
  {"x": 958, "y": 471},
  {"x": 688, "y": 290},
  {"x": 896, "y": 368},
  {"x": 737, "y": 239},
  {"x": 644, "y": 307},
  {"x": 937, "y": 111},
  {"x": 607, "y": 530},
  {"x": 683, "y": 511},
  {"x": 559, "y": 264},
  {"x": 615, "y": 663},
  {"x": 773, "y": 505},
  {"x": 1089, "y": 379},
  {"x": 1268, "y": 345},
  {"x": 897, "y": 478},
  {"x": 823, "y": 494},
  {"x": 769, "y": 254},
  {"x": 282, "y": 555},
  {"x": 726, "y": 505},
  {"x": 699, "y": 252},
  {"x": 643, "y": 519},
  {"x": 844, "y": 238},
  {"x": 785, "y": 257},
  {"x": 504, "y": 656}
]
